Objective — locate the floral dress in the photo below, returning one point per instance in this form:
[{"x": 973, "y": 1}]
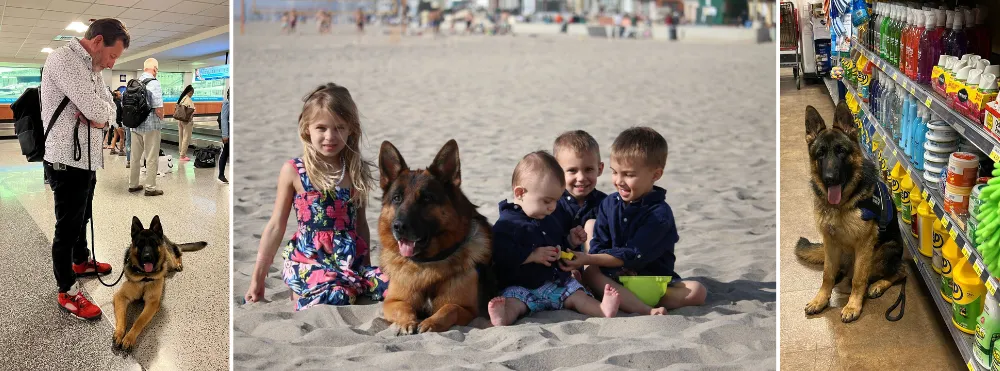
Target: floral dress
[{"x": 325, "y": 261}]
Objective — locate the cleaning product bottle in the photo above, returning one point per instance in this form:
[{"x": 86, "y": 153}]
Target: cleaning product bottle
[
  {"x": 987, "y": 332},
  {"x": 967, "y": 296},
  {"x": 915, "y": 200},
  {"x": 914, "y": 128},
  {"x": 875, "y": 28},
  {"x": 937, "y": 41},
  {"x": 919, "y": 132},
  {"x": 904, "y": 38},
  {"x": 884, "y": 32},
  {"x": 904, "y": 127},
  {"x": 939, "y": 235},
  {"x": 926, "y": 225},
  {"x": 897, "y": 34},
  {"x": 925, "y": 57},
  {"x": 949, "y": 23},
  {"x": 950, "y": 255},
  {"x": 906, "y": 186},
  {"x": 984, "y": 39},
  {"x": 895, "y": 184},
  {"x": 957, "y": 41},
  {"x": 914, "y": 44}
]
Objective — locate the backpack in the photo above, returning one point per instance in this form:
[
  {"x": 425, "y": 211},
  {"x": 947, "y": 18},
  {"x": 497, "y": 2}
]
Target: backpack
[
  {"x": 135, "y": 105},
  {"x": 28, "y": 123}
]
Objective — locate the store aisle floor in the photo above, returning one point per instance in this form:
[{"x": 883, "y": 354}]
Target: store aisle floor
[
  {"x": 822, "y": 342},
  {"x": 191, "y": 330}
]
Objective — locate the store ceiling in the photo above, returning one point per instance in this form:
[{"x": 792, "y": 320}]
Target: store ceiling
[{"x": 28, "y": 26}]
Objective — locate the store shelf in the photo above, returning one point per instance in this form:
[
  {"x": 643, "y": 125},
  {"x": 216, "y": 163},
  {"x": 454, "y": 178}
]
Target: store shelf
[
  {"x": 831, "y": 87},
  {"x": 954, "y": 224},
  {"x": 964, "y": 342},
  {"x": 974, "y": 132}
]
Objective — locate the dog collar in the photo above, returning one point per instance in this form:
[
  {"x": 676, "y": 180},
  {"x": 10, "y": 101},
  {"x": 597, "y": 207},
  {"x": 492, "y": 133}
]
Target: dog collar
[
  {"x": 147, "y": 279},
  {"x": 447, "y": 253}
]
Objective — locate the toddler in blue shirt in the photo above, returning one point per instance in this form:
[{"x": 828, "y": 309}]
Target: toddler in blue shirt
[
  {"x": 580, "y": 158},
  {"x": 527, "y": 240},
  {"x": 635, "y": 233}
]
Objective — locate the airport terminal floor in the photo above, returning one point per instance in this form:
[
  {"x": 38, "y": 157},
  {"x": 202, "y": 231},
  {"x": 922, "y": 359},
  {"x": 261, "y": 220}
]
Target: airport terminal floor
[{"x": 183, "y": 335}]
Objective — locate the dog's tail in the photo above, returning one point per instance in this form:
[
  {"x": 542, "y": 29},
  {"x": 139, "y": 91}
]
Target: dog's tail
[
  {"x": 192, "y": 246},
  {"x": 810, "y": 252}
]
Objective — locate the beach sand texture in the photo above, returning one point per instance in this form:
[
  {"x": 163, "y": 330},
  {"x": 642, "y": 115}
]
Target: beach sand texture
[{"x": 500, "y": 98}]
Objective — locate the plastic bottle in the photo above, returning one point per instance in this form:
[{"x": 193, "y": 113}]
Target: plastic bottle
[
  {"x": 875, "y": 28},
  {"x": 972, "y": 37},
  {"x": 987, "y": 332},
  {"x": 984, "y": 39},
  {"x": 967, "y": 296},
  {"x": 937, "y": 41},
  {"x": 915, "y": 200},
  {"x": 925, "y": 52},
  {"x": 904, "y": 197},
  {"x": 926, "y": 229},
  {"x": 957, "y": 42},
  {"x": 904, "y": 128},
  {"x": 913, "y": 44},
  {"x": 897, "y": 32},
  {"x": 950, "y": 255},
  {"x": 904, "y": 39},
  {"x": 884, "y": 33},
  {"x": 949, "y": 23},
  {"x": 940, "y": 235}
]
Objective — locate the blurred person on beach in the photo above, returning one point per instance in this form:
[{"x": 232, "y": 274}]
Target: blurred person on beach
[
  {"x": 360, "y": 20},
  {"x": 579, "y": 156},
  {"x": 146, "y": 137},
  {"x": 635, "y": 232},
  {"x": 327, "y": 261},
  {"x": 527, "y": 240},
  {"x": 224, "y": 125},
  {"x": 72, "y": 79},
  {"x": 185, "y": 128}
]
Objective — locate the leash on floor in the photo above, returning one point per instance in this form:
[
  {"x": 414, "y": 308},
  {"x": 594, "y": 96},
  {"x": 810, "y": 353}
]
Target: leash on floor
[
  {"x": 900, "y": 302},
  {"x": 93, "y": 251}
]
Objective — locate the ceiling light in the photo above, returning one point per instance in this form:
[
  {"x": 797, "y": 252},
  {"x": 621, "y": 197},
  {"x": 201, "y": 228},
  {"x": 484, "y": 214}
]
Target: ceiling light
[
  {"x": 46, "y": 50},
  {"x": 79, "y": 27}
]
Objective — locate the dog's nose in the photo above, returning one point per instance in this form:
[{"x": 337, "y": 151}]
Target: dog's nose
[{"x": 397, "y": 226}]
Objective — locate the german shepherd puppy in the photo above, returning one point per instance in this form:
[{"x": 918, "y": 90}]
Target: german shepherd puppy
[
  {"x": 852, "y": 246},
  {"x": 436, "y": 248},
  {"x": 147, "y": 261}
]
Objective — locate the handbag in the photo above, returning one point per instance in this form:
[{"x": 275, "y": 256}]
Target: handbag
[
  {"x": 183, "y": 113},
  {"x": 206, "y": 157}
]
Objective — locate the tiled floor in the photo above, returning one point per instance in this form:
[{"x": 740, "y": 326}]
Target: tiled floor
[
  {"x": 822, "y": 342},
  {"x": 191, "y": 330}
]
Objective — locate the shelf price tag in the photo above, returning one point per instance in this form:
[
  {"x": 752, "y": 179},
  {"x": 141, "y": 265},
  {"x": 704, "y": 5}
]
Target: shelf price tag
[
  {"x": 894, "y": 76},
  {"x": 915, "y": 261},
  {"x": 965, "y": 251},
  {"x": 930, "y": 201},
  {"x": 954, "y": 236},
  {"x": 969, "y": 365},
  {"x": 991, "y": 286},
  {"x": 978, "y": 267},
  {"x": 924, "y": 194},
  {"x": 928, "y": 102},
  {"x": 995, "y": 154},
  {"x": 904, "y": 84},
  {"x": 913, "y": 91},
  {"x": 945, "y": 222}
]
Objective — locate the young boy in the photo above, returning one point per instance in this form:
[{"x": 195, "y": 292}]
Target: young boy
[
  {"x": 635, "y": 232},
  {"x": 580, "y": 158},
  {"x": 526, "y": 244}
]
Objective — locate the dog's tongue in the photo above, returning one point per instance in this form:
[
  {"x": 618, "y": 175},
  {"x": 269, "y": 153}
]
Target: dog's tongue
[
  {"x": 833, "y": 195},
  {"x": 148, "y": 267},
  {"x": 406, "y": 248}
]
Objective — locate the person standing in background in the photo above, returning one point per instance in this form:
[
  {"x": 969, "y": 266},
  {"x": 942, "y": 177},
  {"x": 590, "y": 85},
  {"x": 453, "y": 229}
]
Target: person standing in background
[
  {"x": 184, "y": 127},
  {"x": 146, "y": 143},
  {"x": 224, "y": 122}
]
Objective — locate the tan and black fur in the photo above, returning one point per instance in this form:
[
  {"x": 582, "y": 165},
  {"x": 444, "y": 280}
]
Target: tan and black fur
[
  {"x": 447, "y": 280},
  {"x": 149, "y": 246},
  {"x": 850, "y": 245}
]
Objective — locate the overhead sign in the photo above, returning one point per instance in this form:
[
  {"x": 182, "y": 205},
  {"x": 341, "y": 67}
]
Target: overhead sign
[{"x": 212, "y": 73}]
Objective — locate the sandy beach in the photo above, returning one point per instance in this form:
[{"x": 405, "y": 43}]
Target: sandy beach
[{"x": 500, "y": 98}]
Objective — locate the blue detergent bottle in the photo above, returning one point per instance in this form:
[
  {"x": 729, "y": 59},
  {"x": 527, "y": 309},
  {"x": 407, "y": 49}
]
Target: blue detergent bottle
[
  {"x": 919, "y": 129},
  {"x": 912, "y": 122},
  {"x": 904, "y": 129}
]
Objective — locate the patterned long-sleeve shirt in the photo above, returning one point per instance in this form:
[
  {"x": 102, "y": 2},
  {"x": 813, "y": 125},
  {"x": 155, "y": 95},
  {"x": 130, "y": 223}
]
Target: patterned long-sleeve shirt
[{"x": 69, "y": 73}]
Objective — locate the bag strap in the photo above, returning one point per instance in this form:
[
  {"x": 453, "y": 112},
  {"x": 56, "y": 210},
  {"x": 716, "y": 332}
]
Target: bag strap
[
  {"x": 55, "y": 115},
  {"x": 146, "y": 81}
]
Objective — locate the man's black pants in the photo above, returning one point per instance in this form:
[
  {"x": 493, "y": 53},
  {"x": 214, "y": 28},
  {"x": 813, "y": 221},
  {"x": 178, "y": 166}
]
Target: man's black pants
[
  {"x": 73, "y": 191},
  {"x": 223, "y": 159}
]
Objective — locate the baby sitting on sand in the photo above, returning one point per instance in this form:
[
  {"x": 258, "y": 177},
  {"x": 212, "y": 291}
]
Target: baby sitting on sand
[
  {"x": 526, "y": 243},
  {"x": 635, "y": 233}
]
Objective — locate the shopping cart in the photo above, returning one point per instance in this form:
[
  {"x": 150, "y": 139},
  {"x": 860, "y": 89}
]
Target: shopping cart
[{"x": 790, "y": 42}]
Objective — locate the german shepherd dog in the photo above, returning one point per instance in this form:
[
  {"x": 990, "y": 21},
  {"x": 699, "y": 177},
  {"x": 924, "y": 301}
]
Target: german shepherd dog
[
  {"x": 147, "y": 261},
  {"x": 436, "y": 248},
  {"x": 852, "y": 246}
]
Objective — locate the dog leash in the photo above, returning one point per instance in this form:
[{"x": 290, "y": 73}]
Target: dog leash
[
  {"x": 900, "y": 302},
  {"x": 93, "y": 251}
]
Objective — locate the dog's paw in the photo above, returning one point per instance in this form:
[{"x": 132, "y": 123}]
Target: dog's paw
[
  {"x": 409, "y": 328},
  {"x": 850, "y": 313},
  {"x": 429, "y": 325},
  {"x": 816, "y": 305},
  {"x": 875, "y": 291},
  {"x": 179, "y": 268},
  {"x": 127, "y": 343}
]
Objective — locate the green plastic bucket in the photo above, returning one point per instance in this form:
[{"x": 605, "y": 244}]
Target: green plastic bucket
[{"x": 649, "y": 289}]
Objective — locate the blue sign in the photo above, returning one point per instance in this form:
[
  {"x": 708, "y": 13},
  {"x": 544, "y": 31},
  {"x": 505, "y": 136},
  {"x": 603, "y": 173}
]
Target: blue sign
[
  {"x": 168, "y": 98},
  {"x": 8, "y": 100},
  {"x": 212, "y": 73}
]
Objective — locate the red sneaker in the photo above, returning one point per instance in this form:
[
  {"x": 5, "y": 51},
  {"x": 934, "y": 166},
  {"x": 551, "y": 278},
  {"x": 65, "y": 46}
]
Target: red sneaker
[
  {"x": 91, "y": 268},
  {"x": 79, "y": 306}
]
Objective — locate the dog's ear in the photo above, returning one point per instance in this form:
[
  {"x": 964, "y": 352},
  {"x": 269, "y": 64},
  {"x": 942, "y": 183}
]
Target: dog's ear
[
  {"x": 446, "y": 165},
  {"x": 814, "y": 124},
  {"x": 390, "y": 164},
  {"x": 155, "y": 226},
  {"x": 136, "y": 226},
  {"x": 844, "y": 120}
]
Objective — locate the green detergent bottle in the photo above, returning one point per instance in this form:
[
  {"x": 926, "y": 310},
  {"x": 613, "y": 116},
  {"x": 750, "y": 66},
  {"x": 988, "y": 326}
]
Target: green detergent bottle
[{"x": 987, "y": 332}]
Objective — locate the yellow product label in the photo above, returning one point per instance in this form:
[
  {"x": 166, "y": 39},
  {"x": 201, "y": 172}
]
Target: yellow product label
[
  {"x": 954, "y": 85},
  {"x": 938, "y": 76},
  {"x": 979, "y": 99}
]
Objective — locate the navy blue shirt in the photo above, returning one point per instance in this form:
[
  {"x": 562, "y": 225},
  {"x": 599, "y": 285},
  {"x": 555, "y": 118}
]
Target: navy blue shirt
[
  {"x": 515, "y": 236},
  {"x": 572, "y": 214},
  {"x": 642, "y": 234}
]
